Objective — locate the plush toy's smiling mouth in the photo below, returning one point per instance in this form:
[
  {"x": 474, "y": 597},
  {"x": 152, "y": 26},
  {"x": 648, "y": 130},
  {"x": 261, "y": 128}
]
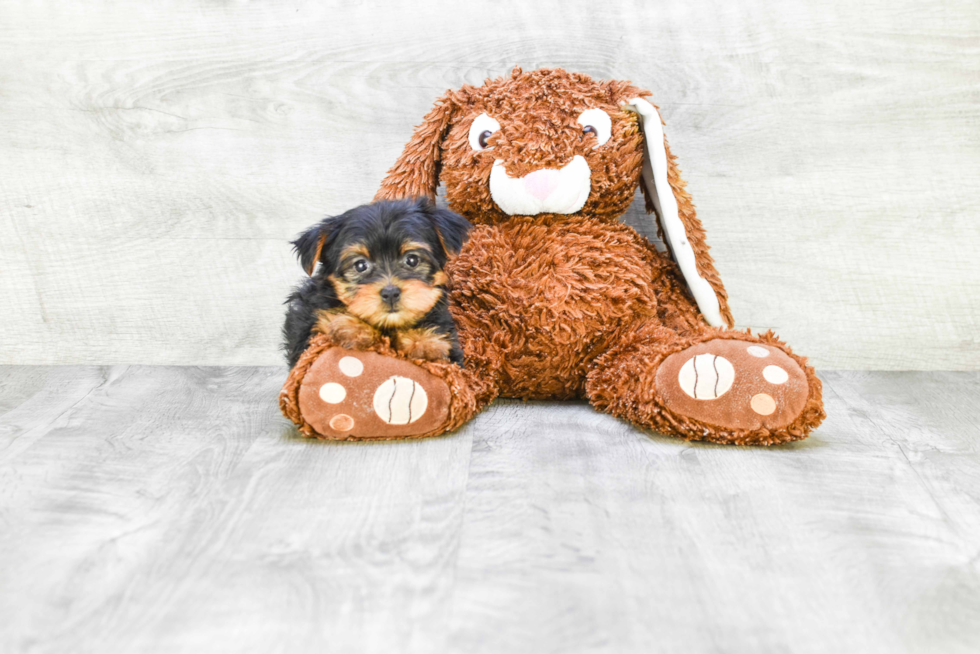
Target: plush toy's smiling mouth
[{"x": 547, "y": 190}]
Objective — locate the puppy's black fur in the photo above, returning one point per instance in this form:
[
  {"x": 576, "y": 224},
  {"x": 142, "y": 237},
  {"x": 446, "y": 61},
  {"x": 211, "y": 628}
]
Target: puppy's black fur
[{"x": 382, "y": 231}]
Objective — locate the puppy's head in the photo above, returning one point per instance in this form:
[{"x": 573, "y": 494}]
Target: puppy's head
[{"x": 385, "y": 260}]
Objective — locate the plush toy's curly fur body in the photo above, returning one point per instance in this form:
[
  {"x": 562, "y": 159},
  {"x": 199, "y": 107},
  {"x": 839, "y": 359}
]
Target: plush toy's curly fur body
[
  {"x": 537, "y": 303},
  {"x": 576, "y": 304}
]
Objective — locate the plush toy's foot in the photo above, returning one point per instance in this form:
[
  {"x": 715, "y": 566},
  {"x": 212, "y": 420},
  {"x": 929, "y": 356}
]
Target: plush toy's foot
[
  {"x": 727, "y": 387},
  {"x": 347, "y": 394},
  {"x": 342, "y": 394},
  {"x": 739, "y": 385}
]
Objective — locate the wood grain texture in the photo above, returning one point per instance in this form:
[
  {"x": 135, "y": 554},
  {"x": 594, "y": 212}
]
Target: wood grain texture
[
  {"x": 156, "y": 157},
  {"x": 173, "y": 509},
  {"x": 165, "y": 509}
]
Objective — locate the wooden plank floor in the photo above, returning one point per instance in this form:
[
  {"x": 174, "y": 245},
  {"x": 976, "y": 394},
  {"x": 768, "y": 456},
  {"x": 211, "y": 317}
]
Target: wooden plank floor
[{"x": 167, "y": 509}]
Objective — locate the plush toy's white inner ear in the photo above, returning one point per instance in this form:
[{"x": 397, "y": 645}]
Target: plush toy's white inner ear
[{"x": 655, "y": 179}]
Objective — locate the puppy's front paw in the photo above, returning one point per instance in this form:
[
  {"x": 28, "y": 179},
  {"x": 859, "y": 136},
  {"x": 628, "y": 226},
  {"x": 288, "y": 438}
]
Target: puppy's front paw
[
  {"x": 346, "y": 330},
  {"x": 424, "y": 344}
]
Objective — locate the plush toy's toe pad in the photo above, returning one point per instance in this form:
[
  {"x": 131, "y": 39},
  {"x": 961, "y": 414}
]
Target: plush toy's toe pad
[
  {"x": 734, "y": 385},
  {"x": 360, "y": 395}
]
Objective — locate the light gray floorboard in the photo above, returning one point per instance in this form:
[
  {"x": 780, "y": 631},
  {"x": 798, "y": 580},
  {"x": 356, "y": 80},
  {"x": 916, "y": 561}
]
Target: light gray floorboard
[{"x": 163, "y": 509}]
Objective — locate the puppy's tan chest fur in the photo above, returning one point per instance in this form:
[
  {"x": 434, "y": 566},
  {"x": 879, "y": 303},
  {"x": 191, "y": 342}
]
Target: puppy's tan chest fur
[{"x": 550, "y": 296}]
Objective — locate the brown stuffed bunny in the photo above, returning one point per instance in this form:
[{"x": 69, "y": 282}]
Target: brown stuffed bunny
[{"x": 553, "y": 297}]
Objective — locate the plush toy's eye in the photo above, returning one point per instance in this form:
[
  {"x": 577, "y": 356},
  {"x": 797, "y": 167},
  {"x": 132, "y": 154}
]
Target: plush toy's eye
[
  {"x": 597, "y": 122},
  {"x": 361, "y": 265},
  {"x": 412, "y": 260},
  {"x": 482, "y": 128}
]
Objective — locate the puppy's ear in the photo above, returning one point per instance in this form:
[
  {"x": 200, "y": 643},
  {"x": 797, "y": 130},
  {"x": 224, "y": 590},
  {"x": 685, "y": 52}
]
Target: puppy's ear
[
  {"x": 416, "y": 172},
  {"x": 678, "y": 223},
  {"x": 451, "y": 228},
  {"x": 309, "y": 245}
]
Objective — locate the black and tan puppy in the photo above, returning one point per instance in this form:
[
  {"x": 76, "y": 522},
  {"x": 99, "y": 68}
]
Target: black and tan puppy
[{"x": 380, "y": 274}]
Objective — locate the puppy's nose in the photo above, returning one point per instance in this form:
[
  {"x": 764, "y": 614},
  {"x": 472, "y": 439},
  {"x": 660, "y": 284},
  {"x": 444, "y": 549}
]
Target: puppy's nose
[
  {"x": 390, "y": 294},
  {"x": 541, "y": 183}
]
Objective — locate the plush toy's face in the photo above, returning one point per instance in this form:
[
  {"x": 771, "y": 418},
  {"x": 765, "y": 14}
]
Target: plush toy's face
[
  {"x": 546, "y": 142},
  {"x": 557, "y": 145}
]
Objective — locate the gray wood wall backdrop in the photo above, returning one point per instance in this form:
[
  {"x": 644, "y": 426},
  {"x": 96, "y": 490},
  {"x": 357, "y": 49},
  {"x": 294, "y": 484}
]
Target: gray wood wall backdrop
[{"x": 155, "y": 157}]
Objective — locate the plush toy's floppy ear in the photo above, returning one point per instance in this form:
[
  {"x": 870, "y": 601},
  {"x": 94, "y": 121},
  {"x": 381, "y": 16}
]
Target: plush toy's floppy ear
[
  {"x": 309, "y": 245},
  {"x": 416, "y": 172},
  {"x": 678, "y": 222}
]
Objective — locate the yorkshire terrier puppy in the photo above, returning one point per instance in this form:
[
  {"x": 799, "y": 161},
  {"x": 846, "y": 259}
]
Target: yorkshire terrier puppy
[{"x": 380, "y": 274}]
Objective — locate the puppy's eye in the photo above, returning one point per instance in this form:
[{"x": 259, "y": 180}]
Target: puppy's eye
[
  {"x": 483, "y": 128},
  {"x": 412, "y": 260},
  {"x": 361, "y": 265},
  {"x": 596, "y": 122}
]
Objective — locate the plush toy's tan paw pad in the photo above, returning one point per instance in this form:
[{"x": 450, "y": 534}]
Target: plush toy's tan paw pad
[
  {"x": 350, "y": 394},
  {"x": 734, "y": 385}
]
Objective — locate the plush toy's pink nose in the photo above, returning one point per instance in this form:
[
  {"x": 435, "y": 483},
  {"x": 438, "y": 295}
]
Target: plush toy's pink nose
[{"x": 542, "y": 182}]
